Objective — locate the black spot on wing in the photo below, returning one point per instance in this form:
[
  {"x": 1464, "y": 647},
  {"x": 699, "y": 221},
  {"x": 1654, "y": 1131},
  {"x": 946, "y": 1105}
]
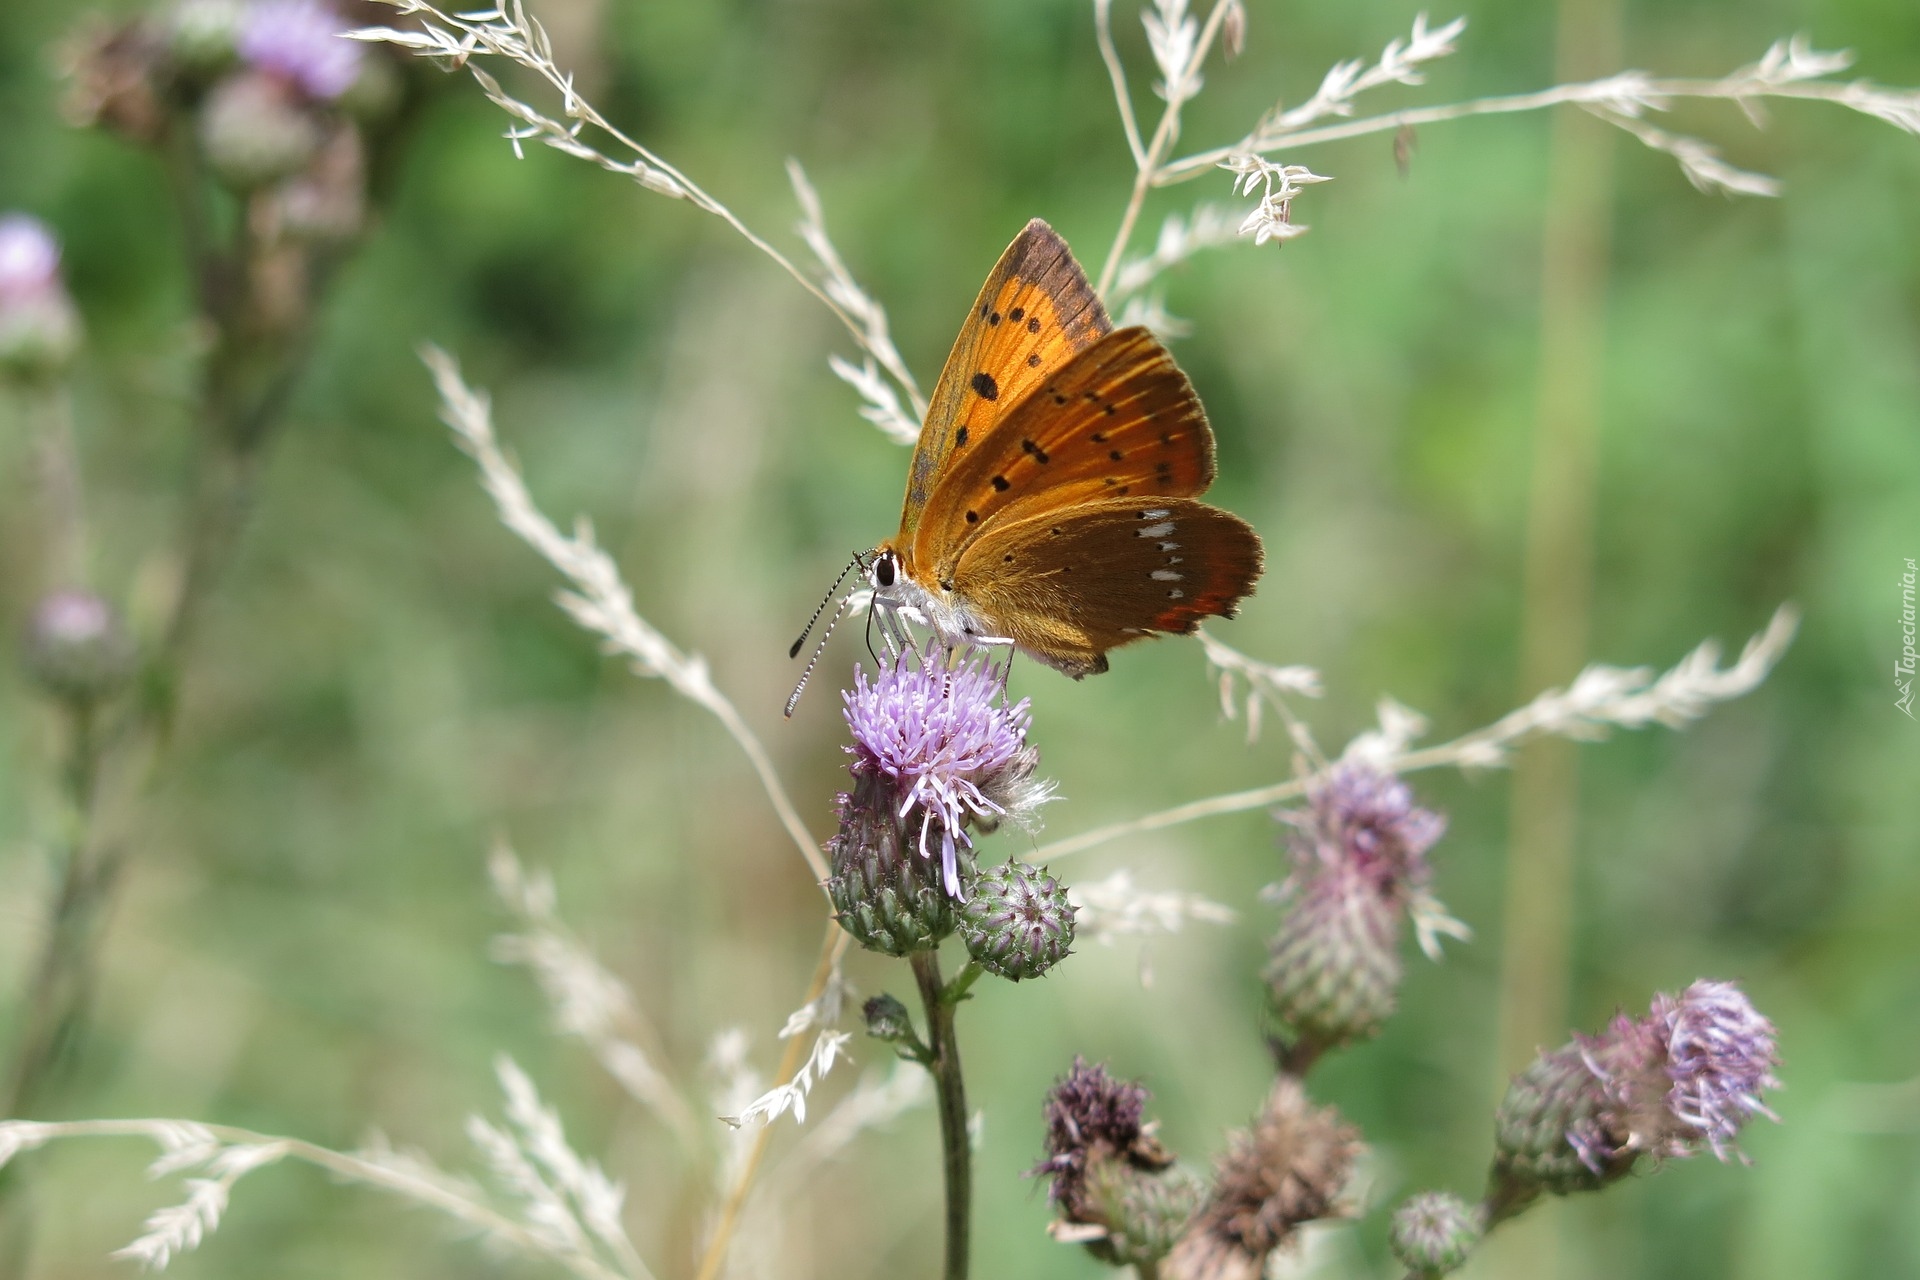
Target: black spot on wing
[
  {"x": 959, "y": 437},
  {"x": 1001, "y": 483},
  {"x": 985, "y": 386}
]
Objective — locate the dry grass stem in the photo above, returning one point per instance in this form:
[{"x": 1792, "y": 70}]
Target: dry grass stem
[
  {"x": 600, "y": 600},
  {"x": 587, "y": 1001},
  {"x": 1599, "y": 699},
  {"x": 223, "y": 1154},
  {"x": 511, "y": 33}
]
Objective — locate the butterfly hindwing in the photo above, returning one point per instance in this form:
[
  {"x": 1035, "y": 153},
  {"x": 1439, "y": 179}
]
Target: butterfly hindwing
[
  {"x": 1034, "y": 313},
  {"x": 1117, "y": 420},
  {"x": 1067, "y": 585}
]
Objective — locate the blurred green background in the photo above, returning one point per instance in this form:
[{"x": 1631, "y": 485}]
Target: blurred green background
[{"x": 384, "y": 685}]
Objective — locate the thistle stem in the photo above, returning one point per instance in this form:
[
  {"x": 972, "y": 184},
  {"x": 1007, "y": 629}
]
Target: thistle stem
[
  {"x": 943, "y": 1062},
  {"x": 63, "y": 976}
]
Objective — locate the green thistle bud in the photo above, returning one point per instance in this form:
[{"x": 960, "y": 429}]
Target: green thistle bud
[
  {"x": 1434, "y": 1232},
  {"x": 884, "y": 894},
  {"x": 255, "y": 130},
  {"x": 1557, "y": 1095},
  {"x": 1144, "y": 1211},
  {"x": 1018, "y": 923},
  {"x": 888, "y": 1019},
  {"x": 1359, "y": 864},
  {"x": 203, "y": 36},
  {"x": 1335, "y": 964}
]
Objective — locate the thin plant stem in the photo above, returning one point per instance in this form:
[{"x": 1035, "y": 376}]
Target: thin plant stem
[
  {"x": 49, "y": 411},
  {"x": 943, "y": 1063},
  {"x": 1163, "y": 138},
  {"x": 56, "y": 999},
  {"x": 832, "y": 947},
  {"x": 1557, "y": 592}
]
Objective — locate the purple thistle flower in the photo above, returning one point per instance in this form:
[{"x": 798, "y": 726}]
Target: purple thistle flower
[
  {"x": 39, "y": 327},
  {"x": 1364, "y": 821},
  {"x": 301, "y": 41},
  {"x": 1719, "y": 1053},
  {"x": 1685, "y": 1078},
  {"x": 29, "y": 260},
  {"x": 1359, "y": 870},
  {"x": 941, "y": 730}
]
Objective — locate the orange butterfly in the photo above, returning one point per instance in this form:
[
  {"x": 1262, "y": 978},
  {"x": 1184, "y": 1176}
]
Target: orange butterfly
[{"x": 1050, "y": 505}]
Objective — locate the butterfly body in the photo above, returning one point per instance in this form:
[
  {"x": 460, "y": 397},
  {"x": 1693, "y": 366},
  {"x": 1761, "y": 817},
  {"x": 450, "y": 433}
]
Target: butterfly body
[{"x": 1051, "y": 504}]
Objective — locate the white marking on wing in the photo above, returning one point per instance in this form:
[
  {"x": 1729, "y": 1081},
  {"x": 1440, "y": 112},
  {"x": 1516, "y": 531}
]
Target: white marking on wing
[
  {"x": 1165, "y": 575},
  {"x": 1160, "y": 530}
]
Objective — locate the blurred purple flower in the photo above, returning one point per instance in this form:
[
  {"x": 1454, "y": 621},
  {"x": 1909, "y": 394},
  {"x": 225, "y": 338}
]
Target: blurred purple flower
[
  {"x": 1686, "y": 1076},
  {"x": 1359, "y": 870},
  {"x": 301, "y": 41},
  {"x": 1365, "y": 823},
  {"x": 941, "y": 729},
  {"x": 29, "y": 260}
]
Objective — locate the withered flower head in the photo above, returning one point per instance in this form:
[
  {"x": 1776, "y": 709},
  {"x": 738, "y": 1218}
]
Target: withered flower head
[{"x": 1287, "y": 1170}]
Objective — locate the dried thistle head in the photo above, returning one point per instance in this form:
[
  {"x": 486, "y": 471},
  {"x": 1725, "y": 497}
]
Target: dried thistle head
[
  {"x": 1288, "y": 1169},
  {"x": 118, "y": 79}
]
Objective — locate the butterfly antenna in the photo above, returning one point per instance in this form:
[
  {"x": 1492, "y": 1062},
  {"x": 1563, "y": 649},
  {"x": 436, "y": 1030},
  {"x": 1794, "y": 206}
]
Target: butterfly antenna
[
  {"x": 825, "y": 635},
  {"x": 794, "y": 652}
]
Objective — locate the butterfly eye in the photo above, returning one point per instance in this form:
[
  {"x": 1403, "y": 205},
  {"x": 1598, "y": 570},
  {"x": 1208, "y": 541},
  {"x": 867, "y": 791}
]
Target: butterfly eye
[{"x": 883, "y": 571}]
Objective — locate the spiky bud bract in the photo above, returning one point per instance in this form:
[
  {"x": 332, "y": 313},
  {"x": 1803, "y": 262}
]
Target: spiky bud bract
[{"x": 1017, "y": 922}]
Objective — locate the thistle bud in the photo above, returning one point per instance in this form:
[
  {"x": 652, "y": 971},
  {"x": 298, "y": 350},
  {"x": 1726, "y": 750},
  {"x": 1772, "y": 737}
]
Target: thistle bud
[
  {"x": 1359, "y": 865},
  {"x": 39, "y": 328},
  {"x": 1434, "y": 1232},
  {"x": 255, "y": 129},
  {"x": 1334, "y": 969},
  {"x": 77, "y": 648},
  {"x": 1018, "y": 923},
  {"x": 888, "y": 898},
  {"x": 887, "y": 1019},
  {"x": 204, "y": 37},
  {"x": 1685, "y": 1078},
  {"x": 1144, "y": 1211}
]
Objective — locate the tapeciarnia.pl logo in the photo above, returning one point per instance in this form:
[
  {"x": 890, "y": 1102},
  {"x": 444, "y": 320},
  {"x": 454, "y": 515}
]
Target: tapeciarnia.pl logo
[{"x": 1903, "y": 665}]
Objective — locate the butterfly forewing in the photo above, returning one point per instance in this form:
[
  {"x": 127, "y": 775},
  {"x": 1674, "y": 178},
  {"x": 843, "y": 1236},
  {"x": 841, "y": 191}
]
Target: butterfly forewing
[
  {"x": 1069, "y": 585},
  {"x": 1118, "y": 420},
  {"x": 1034, "y": 313}
]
